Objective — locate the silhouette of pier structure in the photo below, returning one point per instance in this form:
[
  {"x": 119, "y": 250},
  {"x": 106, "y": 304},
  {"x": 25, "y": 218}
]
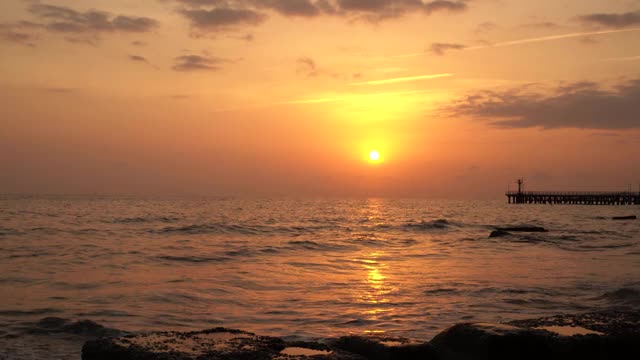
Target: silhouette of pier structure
[{"x": 572, "y": 197}]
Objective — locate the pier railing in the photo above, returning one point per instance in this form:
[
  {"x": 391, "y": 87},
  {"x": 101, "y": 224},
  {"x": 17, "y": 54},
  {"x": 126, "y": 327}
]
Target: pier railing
[
  {"x": 574, "y": 193},
  {"x": 574, "y": 197}
]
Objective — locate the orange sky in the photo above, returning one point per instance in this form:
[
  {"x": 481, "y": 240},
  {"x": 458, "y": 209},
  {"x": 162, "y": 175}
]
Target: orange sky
[{"x": 288, "y": 97}]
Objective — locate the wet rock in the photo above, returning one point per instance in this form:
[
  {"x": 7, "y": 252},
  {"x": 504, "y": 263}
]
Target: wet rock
[
  {"x": 89, "y": 328},
  {"x": 631, "y": 217},
  {"x": 610, "y": 323},
  {"x": 385, "y": 348},
  {"x": 52, "y": 323},
  {"x": 219, "y": 344},
  {"x": 523, "y": 229},
  {"x": 491, "y": 341},
  {"x": 499, "y": 233},
  {"x": 604, "y": 335}
]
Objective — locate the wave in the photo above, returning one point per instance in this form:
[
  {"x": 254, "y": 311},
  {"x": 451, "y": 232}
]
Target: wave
[
  {"x": 626, "y": 296},
  {"x": 193, "y": 259},
  {"x": 312, "y": 245},
  {"x": 427, "y": 225},
  {"x": 29, "y": 312},
  {"x": 140, "y": 220},
  {"x": 9, "y": 232},
  {"x": 231, "y": 229},
  {"x": 54, "y": 325}
]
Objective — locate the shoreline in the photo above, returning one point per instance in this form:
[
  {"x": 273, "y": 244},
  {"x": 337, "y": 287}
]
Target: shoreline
[{"x": 596, "y": 335}]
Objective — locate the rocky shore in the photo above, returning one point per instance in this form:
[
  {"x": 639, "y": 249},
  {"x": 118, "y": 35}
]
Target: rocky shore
[{"x": 600, "y": 335}]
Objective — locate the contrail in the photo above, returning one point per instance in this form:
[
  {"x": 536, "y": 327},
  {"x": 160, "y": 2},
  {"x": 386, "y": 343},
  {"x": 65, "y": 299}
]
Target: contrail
[
  {"x": 347, "y": 98},
  {"x": 628, "y": 58},
  {"x": 550, "y": 38},
  {"x": 402, "y": 79}
]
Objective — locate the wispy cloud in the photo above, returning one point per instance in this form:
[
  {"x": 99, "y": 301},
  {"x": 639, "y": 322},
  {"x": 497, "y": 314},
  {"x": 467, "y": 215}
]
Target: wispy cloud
[
  {"x": 441, "y": 48},
  {"x": 138, "y": 58},
  {"x": 612, "y": 20},
  {"x": 401, "y": 79},
  {"x": 198, "y": 63}
]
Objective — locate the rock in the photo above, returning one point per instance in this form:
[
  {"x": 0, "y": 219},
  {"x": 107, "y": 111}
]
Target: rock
[
  {"x": 499, "y": 233},
  {"x": 611, "y": 323},
  {"x": 491, "y": 341},
  {"x": 89, "y": 328},
  {"x": 524, "y": 229},
  {"x": 218, "y": 344},
  {"x": 606, "y": 335},
  {"x": 385, "y": 348},
  {"x": 52, "y": 323},
  {"x": 631, "y": 217}
]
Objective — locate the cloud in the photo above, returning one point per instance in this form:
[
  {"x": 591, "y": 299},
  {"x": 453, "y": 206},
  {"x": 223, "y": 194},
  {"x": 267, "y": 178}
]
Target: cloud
[
  {"x": 542, "y": 25},
  {"x": 441, "y": 48},
  {"x": 485, "y": 27},
  {"x": 307, "y": 66},
  {"x": 138, "y": 58},
  {"x": 21, "y": 32},
  {"x": 198, "y": 63},
  {"x": 66, "y": 20},
  {"x": 402, "y": 79},
  {"x": 583, "y": 105},
  {"x": 77, "y": 26},
  {"x": 616, "y": 21},
  {"x": 222, "y": 18},
  {"x": 290, "y": 7},
  {"x": 224, "y": 15},
  {"x": 138, "y": 43}
]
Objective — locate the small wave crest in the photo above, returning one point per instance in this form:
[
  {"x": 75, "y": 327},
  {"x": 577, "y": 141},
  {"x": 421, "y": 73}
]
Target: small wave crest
[
  {"x": 427, "y": 225},
  {"x": 234, "y": 229},
  {"x": 626, "y": 296},
  {"x": 193, "y": 259},
  {"x": 141, "y": 220},
  {"x": 53, "y": 325}
]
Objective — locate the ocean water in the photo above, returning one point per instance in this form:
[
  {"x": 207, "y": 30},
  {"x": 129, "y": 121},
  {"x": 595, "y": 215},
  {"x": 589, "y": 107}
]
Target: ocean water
[{"x": 303, "y": 269}]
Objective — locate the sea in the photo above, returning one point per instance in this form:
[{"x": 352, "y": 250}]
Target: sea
[{"x": 76, "y": 267}]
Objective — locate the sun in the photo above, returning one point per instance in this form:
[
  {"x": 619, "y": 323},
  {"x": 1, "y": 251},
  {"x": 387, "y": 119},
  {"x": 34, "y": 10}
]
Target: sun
[{"x": 374, "y": 155}]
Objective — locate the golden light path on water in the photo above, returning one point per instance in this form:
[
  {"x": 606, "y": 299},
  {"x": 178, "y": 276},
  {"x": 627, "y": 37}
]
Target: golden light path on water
[{"x": 375, "y": 294}]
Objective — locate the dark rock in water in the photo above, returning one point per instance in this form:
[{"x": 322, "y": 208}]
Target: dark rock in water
[
  {"x": 524, "y": 229},
  {"x": 89, "y": 328},
  {"x": 609, "y": 323},
  {"x": 384, "y": 348},
  {"x": 52, "y": 323},
  {"x": 499, "y": 233},
  {"x": 623, "y": 297},
  {"x": 606, "y": 335},
  {"x": 219, "y": 344},
  {"x": 491, "y": 341},
  {"x": 631, "y": 217}
]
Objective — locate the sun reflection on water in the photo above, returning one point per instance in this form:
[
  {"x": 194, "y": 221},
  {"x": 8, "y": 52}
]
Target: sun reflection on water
[{"x": 375, "y": 293}]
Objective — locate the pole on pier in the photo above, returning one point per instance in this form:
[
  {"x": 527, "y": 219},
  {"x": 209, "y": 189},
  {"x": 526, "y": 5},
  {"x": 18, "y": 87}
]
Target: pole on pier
[{"x": 520, "y": 185}]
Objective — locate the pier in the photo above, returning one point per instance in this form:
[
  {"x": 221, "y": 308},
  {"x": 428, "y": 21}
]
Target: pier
[{"x": 572, "y": 197}]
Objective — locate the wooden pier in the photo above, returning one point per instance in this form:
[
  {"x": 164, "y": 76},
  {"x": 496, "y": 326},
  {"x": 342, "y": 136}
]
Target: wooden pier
[{"x": 572, "y": 197}]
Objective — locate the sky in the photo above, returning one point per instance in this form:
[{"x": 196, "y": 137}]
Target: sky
[{"x": 289, "y": 97}]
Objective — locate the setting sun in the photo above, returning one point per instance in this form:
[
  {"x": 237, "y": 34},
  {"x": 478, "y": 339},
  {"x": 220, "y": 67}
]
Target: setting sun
[{"x": 374, "y": 155}]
